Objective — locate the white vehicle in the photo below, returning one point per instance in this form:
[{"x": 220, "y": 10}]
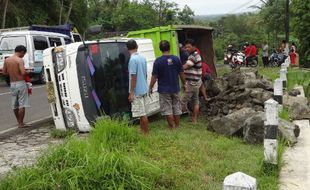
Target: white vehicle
[
  {"x": 89, "y": 80},
  {"x": 35, "y": 42}
]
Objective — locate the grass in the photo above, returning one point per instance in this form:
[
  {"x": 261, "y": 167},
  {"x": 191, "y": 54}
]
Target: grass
[
  {"x": 284, "y": 113},
  {"x": 299, "y": 77},
  {"x": 116, "y": 156},
  {"x": 270, "y": 73},
  {"x": 60, "y": 134}
]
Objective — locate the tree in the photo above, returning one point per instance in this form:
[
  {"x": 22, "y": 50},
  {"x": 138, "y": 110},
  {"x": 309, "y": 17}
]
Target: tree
[
  {"x": 186, "y": 15},
  {"x": 273, "y": 16},
  {"x": 301, "y": 27},
  {"x": 6, "y": 2}
]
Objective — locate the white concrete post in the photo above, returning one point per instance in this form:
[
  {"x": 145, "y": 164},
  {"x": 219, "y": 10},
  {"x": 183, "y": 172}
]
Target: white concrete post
[
  {"x": 278, "y": 91},
  {"x": 239, "y": 181},
  {"x": 271, "y": 128},
  {"x": 284, "y": 66},
  {"x": 283, "y": 77}
]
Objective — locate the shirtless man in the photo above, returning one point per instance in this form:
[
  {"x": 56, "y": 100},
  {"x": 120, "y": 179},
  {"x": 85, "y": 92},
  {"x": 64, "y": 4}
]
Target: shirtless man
[{"x": 14, "y": 68}]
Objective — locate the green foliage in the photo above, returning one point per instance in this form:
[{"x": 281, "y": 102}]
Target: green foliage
[
  {"x": 285, "y": 114},
  {"x": 236, "y": 30},
  {"x": 299, "y": 77},
  {"x": 95, "y": 163},
  {"x": 116, "y": 156},
  {"x": 60, "y": 134},
  {"x": 301, "y": 28},
  {"x": 113, "y": 15},
  {"x": 271, "y": 73},
  {"x": 273, "y": 16},
  {"x": 186, "y": 16}
]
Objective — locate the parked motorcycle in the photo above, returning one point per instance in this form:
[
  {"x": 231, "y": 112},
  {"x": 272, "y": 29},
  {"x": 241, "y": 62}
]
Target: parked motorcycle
[
  {"x": 238, "y": 59},
  {"x": 227, "y": 58},
  {"x": 276, "y": 59}
]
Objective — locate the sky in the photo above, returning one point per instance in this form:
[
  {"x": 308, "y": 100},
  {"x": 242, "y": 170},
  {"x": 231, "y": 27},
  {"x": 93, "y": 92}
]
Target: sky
[{"x": 210, "y": 7}]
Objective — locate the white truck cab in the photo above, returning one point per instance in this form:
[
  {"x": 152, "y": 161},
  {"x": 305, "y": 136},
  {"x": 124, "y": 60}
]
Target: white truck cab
[
  {"x": 89, "y": 80},
  {"x": 35, "y": 42}
]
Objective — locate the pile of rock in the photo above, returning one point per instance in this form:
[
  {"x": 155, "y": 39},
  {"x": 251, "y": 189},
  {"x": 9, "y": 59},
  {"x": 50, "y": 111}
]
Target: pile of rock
[
  {"x": 237, "y": 90},
  {"x": 236, "y": 107}
]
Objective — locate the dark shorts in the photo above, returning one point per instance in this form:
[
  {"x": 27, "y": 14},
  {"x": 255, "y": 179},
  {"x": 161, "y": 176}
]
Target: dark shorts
[{"x": 170, "y": 104}]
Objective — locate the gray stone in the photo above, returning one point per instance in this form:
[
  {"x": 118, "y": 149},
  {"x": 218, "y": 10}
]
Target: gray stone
[
  {"x": 239, "y": 181},
  {"x": 230, "y": 124},
  {"x": 253, "y": 129},
  {"x": 299, "y": 111},
  {"x": 290, "y": 100},
  {"x": 294, "y": 92},
  {"x": 289, "y": 131}
]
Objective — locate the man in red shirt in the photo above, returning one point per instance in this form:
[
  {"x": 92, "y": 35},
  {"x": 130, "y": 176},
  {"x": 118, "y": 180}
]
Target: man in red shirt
[{"x": 253, "y": 51}]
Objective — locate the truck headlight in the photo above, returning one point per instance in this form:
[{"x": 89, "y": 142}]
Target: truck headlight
[{"x": 70, "y": 118}]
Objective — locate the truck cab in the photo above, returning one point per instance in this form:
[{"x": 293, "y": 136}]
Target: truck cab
[{"x": 86, "y": 81}]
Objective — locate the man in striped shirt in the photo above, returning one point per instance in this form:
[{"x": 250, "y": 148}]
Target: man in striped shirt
[{"x": 192, "y": 71}]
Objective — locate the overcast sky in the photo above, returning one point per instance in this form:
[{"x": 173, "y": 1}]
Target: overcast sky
[{"x": 207, "y": 7}]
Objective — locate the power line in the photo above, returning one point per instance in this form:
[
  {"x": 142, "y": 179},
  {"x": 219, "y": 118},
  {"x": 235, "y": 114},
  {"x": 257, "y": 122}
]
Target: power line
[{"x": 240, "y": 7}]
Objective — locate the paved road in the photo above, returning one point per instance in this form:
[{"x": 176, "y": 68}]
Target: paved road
[{"x": 38, "y": 101}]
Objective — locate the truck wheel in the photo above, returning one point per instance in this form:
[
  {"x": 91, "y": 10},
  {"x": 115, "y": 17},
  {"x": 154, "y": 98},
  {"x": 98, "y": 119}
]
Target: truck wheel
[{"x": 42, "y": 79}]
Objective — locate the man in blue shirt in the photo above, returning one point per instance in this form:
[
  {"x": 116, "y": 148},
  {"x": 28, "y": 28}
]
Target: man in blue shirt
[
  {"x": 166, "y": 70},
  {"x": 138, "y": 88}
]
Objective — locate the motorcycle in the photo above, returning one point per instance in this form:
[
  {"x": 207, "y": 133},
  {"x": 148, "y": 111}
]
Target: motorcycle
[
  {"x": 239, "y": 59},
  {"x": 276, "y": 59},
  {"x": 227, "y": 58}
]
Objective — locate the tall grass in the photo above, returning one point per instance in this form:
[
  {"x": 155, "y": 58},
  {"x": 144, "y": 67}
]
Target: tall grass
[
  {"x": 101, "y": 162},
  {"x": 116, "y": 156}
]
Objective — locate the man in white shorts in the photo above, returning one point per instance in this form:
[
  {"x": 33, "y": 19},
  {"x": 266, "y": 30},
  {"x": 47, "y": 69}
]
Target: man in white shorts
[
  {"x": 138, "y": 87},
  {"x": 14, "y": 68}
]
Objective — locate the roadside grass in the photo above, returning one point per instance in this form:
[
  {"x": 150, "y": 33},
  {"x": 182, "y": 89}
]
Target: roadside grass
[
  {"x": 285, "y": 113},
  {"x": 299, "y": 77},
  {"x": 270, "y": 73},
  {"x": 116, "y": 156},
  {"x": 60, "y": 134}
]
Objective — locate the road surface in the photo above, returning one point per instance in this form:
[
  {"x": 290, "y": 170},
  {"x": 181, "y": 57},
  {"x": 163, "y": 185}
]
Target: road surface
[{"x": 38, "y": 101}]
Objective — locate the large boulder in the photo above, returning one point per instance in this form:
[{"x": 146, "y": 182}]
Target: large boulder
[
  {"x": 253, "y": 129},
  {"x": 290, "y": 100},
  {"x": 216, "y": 86},
  {"x": 231, "y": 123},
  {"x": 289, "y": 131},
  {"x": 298, "y": 107},
  {"x": 299, "y": 111}
]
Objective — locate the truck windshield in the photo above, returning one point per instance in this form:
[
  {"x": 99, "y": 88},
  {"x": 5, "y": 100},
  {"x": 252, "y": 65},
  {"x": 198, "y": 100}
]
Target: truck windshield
[
  {"x": 9, "y": 43},
  {"x": 103, "y": 78}
]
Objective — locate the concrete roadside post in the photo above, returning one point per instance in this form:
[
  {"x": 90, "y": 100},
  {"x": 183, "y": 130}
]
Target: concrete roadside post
[
  {"x": 271, "y": 128},
  {"x": 283, "y": 77},
  {"x": 278, "y": 91},
  {"x": 239, "y": 181}
]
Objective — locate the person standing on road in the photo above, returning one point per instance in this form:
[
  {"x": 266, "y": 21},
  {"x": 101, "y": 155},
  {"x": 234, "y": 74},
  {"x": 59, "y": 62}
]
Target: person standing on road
[
  {"x": 265, "y": 54},
  {"x": 138, "y": 87},
  {"x": 192, "y": 71},
  {"x": 14, "y": 68},
  {"x": 167, "y": 69}
]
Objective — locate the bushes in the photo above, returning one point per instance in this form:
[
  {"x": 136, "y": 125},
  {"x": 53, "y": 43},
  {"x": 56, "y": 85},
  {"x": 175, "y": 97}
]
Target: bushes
[{"x": 99, "y": 162}]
